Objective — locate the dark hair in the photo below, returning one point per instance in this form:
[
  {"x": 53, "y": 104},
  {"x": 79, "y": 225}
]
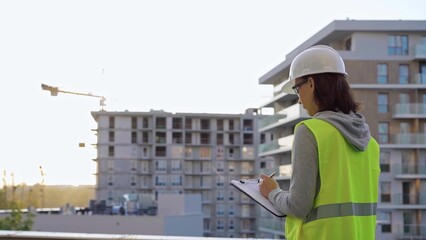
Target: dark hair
[{"x": 333, "y": 93}]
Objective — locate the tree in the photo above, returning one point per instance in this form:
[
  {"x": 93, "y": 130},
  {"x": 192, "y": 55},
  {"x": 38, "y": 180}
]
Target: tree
[{"x": 17, "y": 221}]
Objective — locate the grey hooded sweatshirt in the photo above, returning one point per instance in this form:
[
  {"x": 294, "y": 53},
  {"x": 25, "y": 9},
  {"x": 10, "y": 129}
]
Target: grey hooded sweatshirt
[{"x": 304, "y": 183}]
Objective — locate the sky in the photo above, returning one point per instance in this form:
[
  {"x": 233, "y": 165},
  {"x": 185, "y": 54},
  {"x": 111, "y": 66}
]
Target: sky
[{"x": 201, "y": 56}]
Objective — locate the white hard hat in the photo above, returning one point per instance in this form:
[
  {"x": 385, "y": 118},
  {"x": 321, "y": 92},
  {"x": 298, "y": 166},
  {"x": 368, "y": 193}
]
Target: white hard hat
[{"x": 314, "y": 60}]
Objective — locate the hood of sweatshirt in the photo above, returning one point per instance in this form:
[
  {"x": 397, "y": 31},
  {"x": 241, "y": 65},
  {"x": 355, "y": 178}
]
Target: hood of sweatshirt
[{"x": 352, "y": 126}]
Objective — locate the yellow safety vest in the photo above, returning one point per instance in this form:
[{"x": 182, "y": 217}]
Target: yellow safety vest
[{"x": 345, "y": 206}]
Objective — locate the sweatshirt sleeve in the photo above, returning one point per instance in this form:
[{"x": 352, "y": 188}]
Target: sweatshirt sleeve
[{"x": 299, "y": 199}]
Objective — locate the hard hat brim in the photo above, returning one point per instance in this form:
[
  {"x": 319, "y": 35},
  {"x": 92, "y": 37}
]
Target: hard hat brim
[{"x": 287, "y": 87}]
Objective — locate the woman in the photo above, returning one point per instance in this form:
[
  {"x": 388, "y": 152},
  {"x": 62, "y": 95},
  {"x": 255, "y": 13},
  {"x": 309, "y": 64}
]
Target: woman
[{"x": 334, "y": 184}]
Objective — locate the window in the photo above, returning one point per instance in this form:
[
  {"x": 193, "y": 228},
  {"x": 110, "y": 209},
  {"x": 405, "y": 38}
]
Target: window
[
  {"x": 161, "y": 166},
  {"x": 188, "y": 138},
  {"x": 134, "y": 164},
  {"x": 248, "y": 138},
  {"x": 188, "y": 123},
  {"x": 206, "y": 224},
  {"x": 231, "y": 124},
  {"x": 220, "y": 225},
  {"x": 246, "y": 168},
  {"x": 220, "y": 210},
  {"x": 385, "y": 162},
  {"x": 231, "y": 210},
  {"x": 205, "y": 138},
  {"x": 385, "y": 219},
  {"x": 145, "y": 152},
  {"x": 231, "y": 195},
  {"x": 205, "y": 124},
  {"x": 176, "y": 180},
  {"x": 248, "y": 124},
  {"x": 144, "y": 166},
  {"x": 134, "y": 123},
  {"x": 110, "y": 180},
  {"x": 160, "y": 151},
  {"x": 220, "y": 195},
  {"x": 383, "y": 132},
  {"x": 219, "y": 139},
  {"x": 188, "y": 152},
  {"x": 133, "y": 181},
  {"x": 348, "y": 44},
  {"x": 177, "y": 123},
  {"x": 382, "y": 73},
  {"x": 160, "y": 123},
  {"x": 220, "y": 181},
  {"x": 160, "y": 137},
  {"x": 177, "y": 138},
  {"x": 177, "y": 152},
  {"x": 385, "y": 192},
  {"x": 160, "y": 181},
  {"x": 382, "y": 103},
  {"x": 176, "y": 166},
  {"x": 398, "y": 45},
  {"x": 220, "y": 124},
  {"x": 111, "y": 151},
  {"x": 111, "y": 136},
  {"x": 145, "y": 122},
  {"x": 219, "y": 152},
  {"x": 403, "y": 74},
  {"x": 248, "y": 152},
  {"x": 220, "y": 165},
  {"x": 231, "y": 139},
  {"x": 231, "y": 167},
  {"x": 110, "y": 165},
  {"x": 205, "y": 152},
  {"x": 134, "y": 137},
  {"x": 145, "y": 137},
  {"x": 111, "y": 122}
]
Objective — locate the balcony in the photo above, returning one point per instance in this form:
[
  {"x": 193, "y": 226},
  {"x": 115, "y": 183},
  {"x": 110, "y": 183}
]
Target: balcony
[
  {"x": 409, "y": 171},
  {"x": 287, "y": 117},
  {"x": 272, "y": 226},
  {"x": 409, "y": 110},
  {"x": 420, "y": 51},
  {"x": 411, "y": 231},
  {"x": 277, "y": 146},
  {"x": 420, "y": 78},
  {"x": 403, "y": 201},
  {"x": 405, "y": 141}
]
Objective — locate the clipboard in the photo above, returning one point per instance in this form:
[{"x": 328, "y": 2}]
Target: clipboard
[{"x": 250, "y": 187}]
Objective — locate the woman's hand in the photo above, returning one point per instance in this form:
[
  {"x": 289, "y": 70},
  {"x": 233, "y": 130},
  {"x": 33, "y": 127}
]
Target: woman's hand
[{"x": 267, "y": 185}]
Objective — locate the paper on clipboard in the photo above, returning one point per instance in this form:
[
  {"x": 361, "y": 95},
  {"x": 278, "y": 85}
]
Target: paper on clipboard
[{"x": 251, "y": 189}]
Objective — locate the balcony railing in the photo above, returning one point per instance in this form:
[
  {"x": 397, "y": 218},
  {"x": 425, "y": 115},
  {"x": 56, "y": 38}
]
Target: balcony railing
[
  {"x": 289, "y": 115},
  {"x": 420, "y": 51},
  {"x": 410, "y": 110},
  {"x": 409, "y": 138},
  {"x": 271, "y": 120},
  {"x": 411, "y": 231},
  {"x": 420, "y": 78},
  {"x": 405, "y": 199},
  {"x": 272, "y": 225},
  {"x": 412, "y": 169},
  {"x": 282, "y": 144}
]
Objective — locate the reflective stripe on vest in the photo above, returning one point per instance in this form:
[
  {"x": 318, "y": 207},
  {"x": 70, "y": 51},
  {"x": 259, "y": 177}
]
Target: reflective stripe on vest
[{"x": 342, "y": 210}]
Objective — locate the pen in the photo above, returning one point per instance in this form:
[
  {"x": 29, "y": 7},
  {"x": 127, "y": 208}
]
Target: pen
[{"x": 271, "y": 175}]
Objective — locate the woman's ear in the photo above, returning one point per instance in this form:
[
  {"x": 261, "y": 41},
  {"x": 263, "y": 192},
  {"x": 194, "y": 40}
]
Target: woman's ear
[{"x": 311, "y": 82}]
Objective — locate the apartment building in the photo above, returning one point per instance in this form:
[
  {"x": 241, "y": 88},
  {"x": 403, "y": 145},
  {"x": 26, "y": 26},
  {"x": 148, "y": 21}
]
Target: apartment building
[
  {"x": 386, "y": 63},
  {"x": 158, "y": 152}
]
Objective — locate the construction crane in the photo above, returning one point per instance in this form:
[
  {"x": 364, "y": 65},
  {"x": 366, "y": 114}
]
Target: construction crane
[{"x": 55, "y": 90}]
